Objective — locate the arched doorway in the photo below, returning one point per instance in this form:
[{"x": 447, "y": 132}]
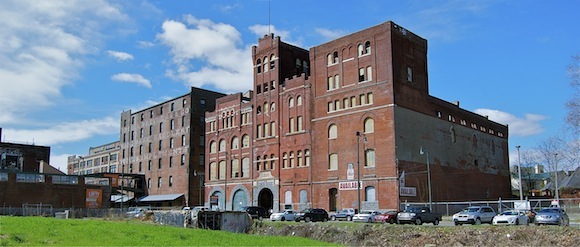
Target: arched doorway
[
  {"x": 220, "y": 201},
  {"x": 332, "y": 194},
  {"x": 266, "y": 199},
  {"x": 240, "y": 200}
]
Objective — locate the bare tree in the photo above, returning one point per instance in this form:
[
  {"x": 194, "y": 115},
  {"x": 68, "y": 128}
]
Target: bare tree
[{"x": 573, "y": 105}]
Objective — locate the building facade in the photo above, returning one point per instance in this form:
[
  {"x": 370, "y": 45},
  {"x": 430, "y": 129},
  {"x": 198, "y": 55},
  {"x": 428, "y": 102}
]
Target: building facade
[
  {"x": 349, "y": 123},
  {"x": 101, "y": 159},
  {"x": 18, "y": 157},
  {"x": 166, "y": 143}
]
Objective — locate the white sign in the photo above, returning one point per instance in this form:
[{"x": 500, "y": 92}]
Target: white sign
[
  {"x": 407, "y": 191},
  {"x": 349, "y": 185},
  {"x": 350, "y": 172}
]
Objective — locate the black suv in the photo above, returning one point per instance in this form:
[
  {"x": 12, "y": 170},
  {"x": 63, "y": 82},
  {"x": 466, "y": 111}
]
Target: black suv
[
  {"x": 312, "y": 214},
  {"x": 256, "y": 212}
]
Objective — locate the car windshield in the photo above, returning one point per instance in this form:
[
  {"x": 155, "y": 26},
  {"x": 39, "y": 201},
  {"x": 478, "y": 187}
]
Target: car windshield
[
  {"x": 413, "y": 210},
  {"x": 510, "y": 213},
  {"x": 344, "y": 211},
  {"x": 366, "y": 212},
  {"x": 550, "y": 210},
  {"x": 470, "y": 210}
]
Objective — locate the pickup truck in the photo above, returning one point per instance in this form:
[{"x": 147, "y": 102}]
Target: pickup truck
[{"x": 418, "y": 216}]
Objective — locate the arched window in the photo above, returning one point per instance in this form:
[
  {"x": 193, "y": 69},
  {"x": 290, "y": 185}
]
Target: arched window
[
  {"x": 235, "y": 168},
  {"x": 285, "y": 160},
  {"x": 332, "y": 131},
  {"x": 307, "y": 157},
  {"x": 369, "y": 125},
  {"x": 272, "y": 106},
  {"x": 291, "y": 102},
  {"x": 370, "y": 194},
  {"x": 245, "y": 141},
  {"x": 360, "y": 50},
  {"x": 298, "y": 100},
  {"x": 212, "y": 147},
  {"x": 335, "y": 57},
  {"x": 259, "y": 110},
  {"x": 370, "y": 158},
  {"x": 235, "y": 142},
  {"x": 259, "y": 66},
  {"x": 245, "y": 167},
  {"x": 333, "y": 162},
  {"x": 291, "y": 160},
  {"x": 369, "y": 75},
  {"x": 266, "y": 107},
  {"x": 222, "y": 171},
  {"x": 272, "y": 61},
  {"x": 222, "y": 147},
  {"x": 212, "y": 171},
  {"x": 303, "y": 196},
  {"x": 288, "y": 197},
  {"x": 329, "y": 59},
  {"x": 368, "y": 47},
  {"x": 265, "y": 64},
  {"x": 299, "y": 157}
]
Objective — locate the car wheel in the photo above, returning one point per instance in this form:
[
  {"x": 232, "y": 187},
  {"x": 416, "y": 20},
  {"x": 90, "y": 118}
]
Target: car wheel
[
  {"x": 418, "y": 221},
  {"x": 436, "y": 222},
  {"x": 348, "y": 218},
  {"x": 283, "y": 219},
  {"x": 398, "y": 221},
  {"x": 477, "y": 221},
  {"x": 324, "y": 219},
  {"x": 457, "y": 223},
  {"x": 333, "y": 218},
  {"x": 306, "y": 219},
  {"x": 392, "y": 221},
  {"x": 260, "y": 218}
]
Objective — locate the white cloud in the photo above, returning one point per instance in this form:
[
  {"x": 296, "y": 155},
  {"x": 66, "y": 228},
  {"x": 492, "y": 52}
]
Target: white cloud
[
  {"x": 216, "y": 45},
  {"x": 64, "y": 132},
  {"x": 330, "y": 34},
  {"x": 120, "y": 56},
  {"x": 526, "y": 126},
  {"x": 145, "y": 44},
  {"x": 60, "y": 161},
  {"x": 132, "y": 78},
  {"x": 43, "y": 47}
]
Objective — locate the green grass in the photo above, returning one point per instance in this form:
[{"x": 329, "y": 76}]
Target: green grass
[{"x": 36, "y": 231}]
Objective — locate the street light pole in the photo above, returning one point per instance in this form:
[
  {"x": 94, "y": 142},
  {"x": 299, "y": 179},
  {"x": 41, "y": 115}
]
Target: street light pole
[
  {"x": 520, "y": 173},
  {"x": 428, "y": 178},
  {"x": 358, "y": 168},
  {"x": 557, "y": 193}
]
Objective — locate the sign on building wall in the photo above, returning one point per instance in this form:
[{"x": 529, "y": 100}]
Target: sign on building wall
[
  {"x": 94, "y": 198},
  {"x": 349, "y": 185},
  {"x": 350, "y": 172},
  {"x": 407, "y": 191}
]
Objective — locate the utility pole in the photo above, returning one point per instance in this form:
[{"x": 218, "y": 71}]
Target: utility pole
[{"x": 520, "y": 173}]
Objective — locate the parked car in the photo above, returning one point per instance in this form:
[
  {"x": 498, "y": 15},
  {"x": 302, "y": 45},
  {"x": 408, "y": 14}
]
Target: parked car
[
  {"x": 552, "y": 216},
  {"x": 387, "y": 217},
  {"x": 283, "y": 216},
  {"x": 136, "y": 212},
  {"x": 418, "y": 216},
  {"x": 511, "y": 217},
  {"x": 344, "y": 214},
  {"x": 474, "y": 215},
  {"x": 366, "y": 216},
  {"x": 256, "y": 212},
  {"x": 312, "y": 214}
]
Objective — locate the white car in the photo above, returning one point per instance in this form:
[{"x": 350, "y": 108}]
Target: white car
[
  {"x": 282, "y": 216},
  {"x": 366, "y": 216},
  {"x": 511, "y": 217}
]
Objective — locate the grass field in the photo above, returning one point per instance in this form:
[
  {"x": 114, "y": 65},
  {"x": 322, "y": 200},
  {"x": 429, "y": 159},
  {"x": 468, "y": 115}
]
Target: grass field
[{"x": 43, "y": 231}]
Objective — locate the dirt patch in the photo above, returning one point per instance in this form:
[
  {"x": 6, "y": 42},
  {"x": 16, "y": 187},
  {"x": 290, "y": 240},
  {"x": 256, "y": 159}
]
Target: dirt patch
[{"x": 405, "y": 235}]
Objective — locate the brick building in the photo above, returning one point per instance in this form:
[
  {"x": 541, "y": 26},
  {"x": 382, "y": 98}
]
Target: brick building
[
  {"x": 101, "y": 159},
  {"x": 18, "y": 157},
  {"x": 165, "y": 142},
  {"x": 356, "y": 108}
]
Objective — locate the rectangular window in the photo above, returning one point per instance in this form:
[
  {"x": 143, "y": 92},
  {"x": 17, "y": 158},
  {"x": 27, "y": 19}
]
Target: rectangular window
[
  {"x": 170, "y": 161},
  {"x": 160, "y": 144},
  {"x": 292, "y": 125},
  {"x": 159, "y": 166},
  {"x": 171, "y": 142}
]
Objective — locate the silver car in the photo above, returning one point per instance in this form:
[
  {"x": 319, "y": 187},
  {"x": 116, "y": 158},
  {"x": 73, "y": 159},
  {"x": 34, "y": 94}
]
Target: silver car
[
  {"x": 474, "y": 215},
  {"x": 552, "y": 216}
]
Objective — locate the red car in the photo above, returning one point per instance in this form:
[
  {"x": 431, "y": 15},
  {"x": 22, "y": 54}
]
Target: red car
[{"x": 389, "y": 216}]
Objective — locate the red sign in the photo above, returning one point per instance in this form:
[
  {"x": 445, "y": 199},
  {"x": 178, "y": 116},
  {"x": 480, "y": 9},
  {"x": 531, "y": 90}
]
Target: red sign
[{"x": 94, "y": 198}]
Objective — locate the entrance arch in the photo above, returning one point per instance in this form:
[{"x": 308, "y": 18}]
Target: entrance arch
[
  {"x": 332, "y": 194},
  {"x": 240, "y": 200},
  {"x": 266, "y": 199}
]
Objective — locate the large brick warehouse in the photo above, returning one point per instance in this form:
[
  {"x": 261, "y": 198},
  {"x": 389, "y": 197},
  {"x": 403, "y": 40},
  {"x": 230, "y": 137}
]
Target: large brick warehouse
[{"x": 357, "y": 108}]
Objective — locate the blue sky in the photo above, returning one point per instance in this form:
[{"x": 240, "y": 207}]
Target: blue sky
[{"x": 69, "y": 68}]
